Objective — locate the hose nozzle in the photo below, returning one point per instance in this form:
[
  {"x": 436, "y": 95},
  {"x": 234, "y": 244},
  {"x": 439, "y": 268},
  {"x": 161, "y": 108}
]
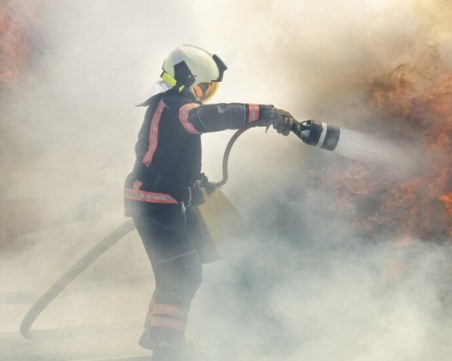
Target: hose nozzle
[{"x": 317, "y": 134}]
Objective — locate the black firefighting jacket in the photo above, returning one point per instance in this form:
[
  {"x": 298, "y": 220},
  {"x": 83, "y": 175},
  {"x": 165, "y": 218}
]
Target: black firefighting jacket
[{"x": 168, "y": 151}]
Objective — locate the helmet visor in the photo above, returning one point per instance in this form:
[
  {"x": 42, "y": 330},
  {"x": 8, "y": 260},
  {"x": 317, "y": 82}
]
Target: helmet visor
[{"x": 205, "y": 91}]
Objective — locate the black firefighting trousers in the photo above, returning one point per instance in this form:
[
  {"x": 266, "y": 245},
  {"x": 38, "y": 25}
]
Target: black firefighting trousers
[{"x": 168, "y": 237}]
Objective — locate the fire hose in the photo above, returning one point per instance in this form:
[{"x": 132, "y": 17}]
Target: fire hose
[{"x": 311, "y": 132}]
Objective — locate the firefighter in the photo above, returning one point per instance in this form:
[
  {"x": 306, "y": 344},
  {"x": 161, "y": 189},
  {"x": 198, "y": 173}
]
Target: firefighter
[{"x": 160, "y": 193}]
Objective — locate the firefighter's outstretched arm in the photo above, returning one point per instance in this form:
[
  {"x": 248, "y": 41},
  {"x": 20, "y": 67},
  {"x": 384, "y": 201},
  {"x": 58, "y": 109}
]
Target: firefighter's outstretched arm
[{"x": 216, "y": 117}]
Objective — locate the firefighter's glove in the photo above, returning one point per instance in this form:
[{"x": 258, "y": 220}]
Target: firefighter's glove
[
  {"x": 283, "y": 121},
  {"x": 267, "y": 115}
]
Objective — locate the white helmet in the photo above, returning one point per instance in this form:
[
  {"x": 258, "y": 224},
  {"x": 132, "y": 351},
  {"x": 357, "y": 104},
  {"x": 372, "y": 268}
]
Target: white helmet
[{"x": 194, "y": 68}]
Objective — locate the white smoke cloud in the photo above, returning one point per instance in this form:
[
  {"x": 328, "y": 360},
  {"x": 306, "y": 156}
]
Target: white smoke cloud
[{"x": 306, "y": 287}]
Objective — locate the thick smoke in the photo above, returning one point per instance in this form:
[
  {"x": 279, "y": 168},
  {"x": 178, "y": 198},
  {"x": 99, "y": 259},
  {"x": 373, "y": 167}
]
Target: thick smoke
[{"x": 306, "y": 284}]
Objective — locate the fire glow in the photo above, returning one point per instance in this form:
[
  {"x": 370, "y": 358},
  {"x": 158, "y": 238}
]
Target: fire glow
[
  {"x": 17, "y": 19},
  {"x": 410, "y": 105}
]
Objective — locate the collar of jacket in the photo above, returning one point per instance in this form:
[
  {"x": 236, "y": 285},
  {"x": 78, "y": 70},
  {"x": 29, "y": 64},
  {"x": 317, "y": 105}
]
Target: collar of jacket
[{"x": 173, "y": 93}]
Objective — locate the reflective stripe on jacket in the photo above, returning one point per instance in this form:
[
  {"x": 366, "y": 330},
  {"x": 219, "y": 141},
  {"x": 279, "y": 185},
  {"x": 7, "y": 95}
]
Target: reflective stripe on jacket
[{"x": 168, "y": 150}]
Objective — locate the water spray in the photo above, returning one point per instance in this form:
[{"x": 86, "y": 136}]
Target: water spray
[{"x": 354, "y": 145}]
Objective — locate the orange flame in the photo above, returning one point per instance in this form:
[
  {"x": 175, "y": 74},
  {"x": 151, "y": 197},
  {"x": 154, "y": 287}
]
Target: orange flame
[
  {"x": 447, "y": 199},
  {"x": 412, "y": 104},
  {"x": 17, "y": 17}
]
